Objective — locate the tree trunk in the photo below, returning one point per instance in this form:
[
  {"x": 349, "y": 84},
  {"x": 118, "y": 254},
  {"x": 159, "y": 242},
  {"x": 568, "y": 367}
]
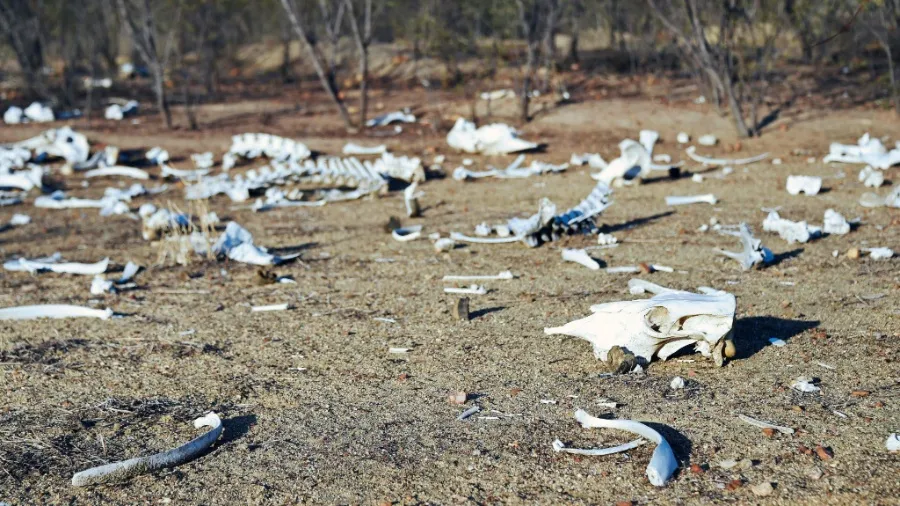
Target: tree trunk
[
  {"x": 895, "y": 95},
  {"x": 737, "y": 114},
  {"x": 363, "y": 87},
  {"x": 162, "y": 102}
]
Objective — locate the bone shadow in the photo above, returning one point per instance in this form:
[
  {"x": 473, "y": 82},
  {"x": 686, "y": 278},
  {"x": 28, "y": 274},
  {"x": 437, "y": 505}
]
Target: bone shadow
[
  {"x": 236, "y": 428},
  {"x": 608, "y": 229},
  {"x": 486, "y": 311},
  {"x": 287, "y": 250},
  {"x": 780, "y": 257},
  {"x": 752, "y": 333}
]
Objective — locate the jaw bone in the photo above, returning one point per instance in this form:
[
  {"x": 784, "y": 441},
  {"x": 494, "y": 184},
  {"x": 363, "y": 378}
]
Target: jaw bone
[
  {"x": 753, "y": 253},
  {"x": 659, "y": 326}
]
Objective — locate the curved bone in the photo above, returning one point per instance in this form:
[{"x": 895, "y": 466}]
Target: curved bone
[
  {"x": 456, "y": 236},
  {"x": 753, "y": 252},
  {"x": 558, "y": 446},
  {"x": 580, "y": 256},
  {"x": 118, "y": 471},
  {"x": 118, "y": 170},
  {"x": 53, "y": 311},
  {"x": 691, "y": 152},
  {"x": 406, "y": 234},
  {"x": 662, "y": 464}
]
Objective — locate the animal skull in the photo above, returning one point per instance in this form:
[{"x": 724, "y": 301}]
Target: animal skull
[{"x": 659, "y": 326}]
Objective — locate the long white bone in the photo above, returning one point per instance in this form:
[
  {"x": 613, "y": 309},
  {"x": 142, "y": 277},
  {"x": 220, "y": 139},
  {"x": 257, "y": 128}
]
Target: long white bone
[
  {"x": 118, "y": 471},
  {"x": 662, "y": 464},
  {"x": 810, "y": 185},
  {"x": 472, "y": 290},
  {"x": 32, "y": 266},
  {"x": 708, "y": 198},
  {"x": 502, "y": 276},
  {"x": 456, "y": 236},
  {"x": 406, "y": 234},
  {"x": 691, "y": 152},
  {"x": 53, "y": 311},
  {"x": 558, "y": 446},
  {"x": 118, "y": 170},
  {"x": 765, "y": 425},
  {"x": 352, "y": 148},
  {"x": 580, "y": 256}
]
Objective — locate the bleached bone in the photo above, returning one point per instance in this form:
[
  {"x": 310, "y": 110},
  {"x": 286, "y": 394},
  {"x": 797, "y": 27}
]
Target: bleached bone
[
  {"x": 18, "y": 220},
  {"x": 707, "y": 140},
  {"x": 190, "y": 175},
  {"x": 129, "y": 272},
  {"x": 462, "y": 173},
  {"x": 683, "y": 138},
  {"x": 867, "y": 150},
  {"x": 662, "y": 158},
  {"x": 62, "y": 142},
  {"x": 271, "y": 307},
  {"x": 35, "y": 266},
  {"x": 118, "y": 171},
  {"x": 39, "y": 113},
  {"x": 254, "y": 145},
  {"x": 893, "y": 198},
  {"x": 237, "y": 244},
  {"x": 502, "y": 276},
  {"x": 9, "y": 201},
  {"x": 99, "y": 286},
  {"x": 892, "y": 443},
  {"x": 494, "y": 139},
  {"x": 13, "y": 115},
  {"x": 558, "y": 446},
  {"x": 790, "y": 231},
  {"x": 156, "y": 224},
  {"x": 157, "y": 155},
  {"x": 659, "y": 326},
  {"x": 624, "y": 269},
  {"x": 879, "y": 253},
  {"x": 471, "y": 290},
  {"x": 497, "y": 94},
  {"x": 593, "y": 160},
  {"x": 53, "y": 311},
  {"x": 406, "y": 234},
  {"x": 391, "y": 117},
  {"x": 444, "y": 244},
  {"x": 633, "y": 155},
  {"x": 606, "y": 240},
  {"x": 410, "y": 200},
  {"x": 691, "y": 152},
  {"x": 456, "y": 236},
  {"x": 753, "y": 253},
  {"x": 23, "y": 180},
  {"x": 580, "y": 256},
  {"x": 352, "y": 148},
  {"x": 662, "y": 463},
  {"x": 765, "y": 425},
  {"x": 810, "y": 185},
  {"x": 871, "y": 178},
  {"x": 835, "y": 223},
  {"x": 202, "y": 161},
  {"x": 805, "y": 385},
  {"x": 126, "y": 469},
  {"x": 708, "y": 198},
  {"x": 637, "y": 286}
]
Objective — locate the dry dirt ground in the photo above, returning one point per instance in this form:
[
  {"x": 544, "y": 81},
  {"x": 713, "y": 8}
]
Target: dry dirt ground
[{"x": 317, "y": 411}]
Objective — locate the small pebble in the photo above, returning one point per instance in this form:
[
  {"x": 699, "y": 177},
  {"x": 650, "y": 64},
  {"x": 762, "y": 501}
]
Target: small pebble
[
  {"x": 824, "y": 453},
  {"x": 769, "y": 432},
  {"x": 777, "y": 342},
  {"x": 853, "y": 253},
  {"x": 734, "y": 485},
  {"x": 677, "y": 383},
  {"x": 696, "y": 469},
  {"x": 814, "y": 473},
  {"x": 762, "y": 489},
  {"x": 458, "y": 398},
  {"x": 860, "y": 393}
]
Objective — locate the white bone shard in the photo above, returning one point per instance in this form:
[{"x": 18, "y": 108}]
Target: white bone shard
[
  {"x": 637, "y": 286},
  {"x": 505, "y": 275},
  {"x": 606, "y": 239},
  {"x": 471, "y": 290},
  {"x": 659, "y": 326},
  {"x": 879, "y": 253},
  {"x": 13, "y": 115},
  {"x": 893, "y": 198},
  {"x": 406, "y": 234},
  {"x": 893, "y": 443},
  {"x": 157, "y": 155},
  {"x": 753, "y": 252},
  {"x": 683, "y": 138},
  {"x": 190, "y": 175},
  {"x": 23, "y": 180},
  {"x": 790, "y": 231},
  {"x": 497, "y": 94},
  {"x": 39, "y": 113},
  {"x": 351, "y": 148},
  {"x": 871, "y": 178},
  {"x": 444, "y": 244},
  {"x": 410, "y": 200},
  {"x": 129, "y": 272},
  {"x": 53, "y": 311},
  {"x": 634, "y": 158},
  {"x": 19, "y": 219},
  {"x": 765, "y": 425},
  {"x": 804, "y": 385},
  {"x": 662, "y": 464},
  {"x": 558, "y": 446},
  {"x": 580, "y": 256},
  {"x": 708, "y": 198},
  {"x": 707, "y": 140},
  {"x": 62, "y": 142},
  {"x": 691, "y": 152},
  {"x": 119, "y": 471},
  {"x": 494, "y": 139},
  {"x": 677, "y": 383},
  {"x": 456, "y": 236},
  {"x": 835, "y": 223},
  {"x": 202, "y": 160},
  {"x": 118, "y": 170},
  {"x": 99, "y": 286},
  {"x": 53, "y": 265},
  {"x": 391, "y": 117},
  {"x": 593, "y": 160},
  {"x": 237, "y": 244},
  {"x": 271, "y": 307},
  {"x": 810, "y": 185}
]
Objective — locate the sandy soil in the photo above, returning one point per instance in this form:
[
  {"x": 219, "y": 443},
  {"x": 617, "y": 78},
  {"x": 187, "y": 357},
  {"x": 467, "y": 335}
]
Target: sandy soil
[{"x": 317, "y": 411}]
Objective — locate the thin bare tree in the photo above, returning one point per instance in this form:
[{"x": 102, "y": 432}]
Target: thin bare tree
[
  {"x": 21, "y": 25},
  {"x": 363, "y": 37}
]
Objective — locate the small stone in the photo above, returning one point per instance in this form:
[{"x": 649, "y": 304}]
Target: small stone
[
  {"x": 734, "y": 485},
  {"x": 645, "y": 267},
  {"x": 762, "y": 489},
  {"x": 769, "y": 432},
  {"x": 458, "y": 398},
  {"x": 814, "y": 473},
  {"x": 620, "y": 360},
  {"x": 625, "y": 503},
  {"x": 853, "y": 253},
  {"x": 677, "y": 383},
  {"x": 879, "y": 404},
  {"x": 745, "y": 464},
  {"x": 860, "y": 393},
  {"x": 461, "y": 309},
  {"x": 804, "y": 450},
  {"x": 824, "y": 453},
  {"x": 727, "y": 464},
  {"x": 403, "y": 377},
  {"x": 392, "y": 224},
  {"x": 697, "y": 469}
]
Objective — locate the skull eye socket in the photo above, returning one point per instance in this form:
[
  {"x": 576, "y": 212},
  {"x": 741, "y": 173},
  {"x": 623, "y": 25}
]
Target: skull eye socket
[{"x": 657, "y": 318}]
